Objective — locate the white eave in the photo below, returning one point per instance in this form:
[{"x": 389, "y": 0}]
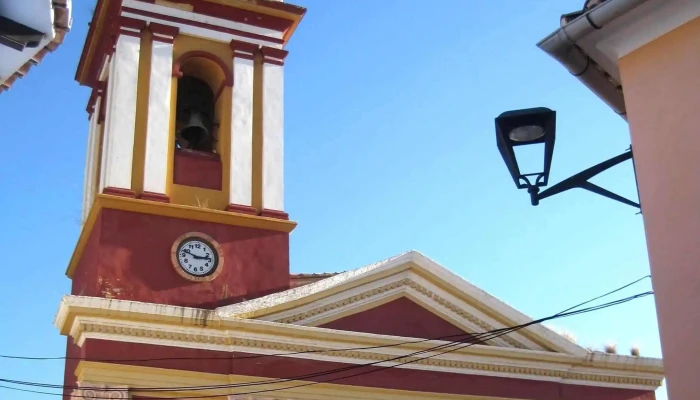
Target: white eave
[
  {"x": 591, "y": 45},
  {"x": 51, "y": 17}
]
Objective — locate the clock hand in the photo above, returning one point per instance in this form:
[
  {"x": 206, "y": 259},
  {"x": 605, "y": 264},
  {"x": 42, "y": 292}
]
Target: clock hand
[{"x": 196, "y": 256}]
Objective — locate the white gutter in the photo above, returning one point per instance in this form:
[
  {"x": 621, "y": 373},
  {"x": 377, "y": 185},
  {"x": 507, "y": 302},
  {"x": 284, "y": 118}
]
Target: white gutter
[{"x": 562, "y": 46}]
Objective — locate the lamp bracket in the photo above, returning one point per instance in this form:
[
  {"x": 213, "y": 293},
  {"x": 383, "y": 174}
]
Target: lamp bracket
[{"x": 581, "y": 181}]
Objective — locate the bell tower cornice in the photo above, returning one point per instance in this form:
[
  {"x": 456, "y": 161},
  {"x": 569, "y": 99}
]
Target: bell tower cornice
[{"x": 270, "y": 22}]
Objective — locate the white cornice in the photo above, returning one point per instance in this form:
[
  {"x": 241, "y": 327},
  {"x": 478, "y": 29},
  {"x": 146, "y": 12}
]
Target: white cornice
[
  {"x": 201, "y": 18},
  {"x": 458, "y": 298},
  {"x": 404, "y": 284},
  {"x": 220, "y": 27},
  {"x": 85, "y": 318},
  {"x": 137, "y": 377}
]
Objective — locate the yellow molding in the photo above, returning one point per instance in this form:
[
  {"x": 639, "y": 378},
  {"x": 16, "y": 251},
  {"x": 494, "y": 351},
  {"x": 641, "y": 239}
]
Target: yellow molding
[
  {"x": 172, "y": 211},
  {"x": 199, "y": 325},
  {"x": 90, "y": 47},
  {"x": 138, "y": 163},
  {"x": 257, "y": 156},
  {"x": 138, "y": 377},
  {"x": 84, "y": 236}
]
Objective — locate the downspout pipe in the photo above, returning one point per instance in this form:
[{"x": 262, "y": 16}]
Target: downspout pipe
[{"x": 562, "y": 46}]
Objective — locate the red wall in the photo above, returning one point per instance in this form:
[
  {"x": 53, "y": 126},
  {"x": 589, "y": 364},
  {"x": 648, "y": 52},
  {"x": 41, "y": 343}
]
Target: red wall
[
  {"x": 401, "y": 317},
  {"x": 391, "y": 378},
  {"x": 128, "y": 257},
  {"x": 196, "y": 168}
]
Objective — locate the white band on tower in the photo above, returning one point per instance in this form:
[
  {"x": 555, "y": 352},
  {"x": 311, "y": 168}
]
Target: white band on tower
[
  {"x": 118, "y": 150},
  {"x": 89, "y": 182},
  {"x": 241, "y": 176},
  {"x": 273, "y": 130},
  {"x": 159, "y": 98}
]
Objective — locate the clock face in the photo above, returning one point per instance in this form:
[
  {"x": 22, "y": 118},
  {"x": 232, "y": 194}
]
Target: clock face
[{"x": 197, "y": 256}]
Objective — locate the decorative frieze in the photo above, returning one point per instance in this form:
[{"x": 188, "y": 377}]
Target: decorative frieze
[
  {"x": 89, "y": 392},
  {"x": 297, "y": 319},
  {"x": 228, "y": 341}
]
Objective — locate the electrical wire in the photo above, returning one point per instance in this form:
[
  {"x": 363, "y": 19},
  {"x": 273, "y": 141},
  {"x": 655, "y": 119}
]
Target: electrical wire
[
  {"x": 477, "y": 336},
  {"x": 503, "y": 332},
  {"x": 456, "y": 346},
  {"x": 295, "y": 352}
]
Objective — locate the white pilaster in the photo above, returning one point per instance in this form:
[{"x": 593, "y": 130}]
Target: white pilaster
[
  {"x": 241, "y": 176},
  {"x": 120, "y": 121},
  {"x": 106, "y": 99},
  {"x": 91, "y": 164},
  {"x": 158, "y": 127},
  {"x": 89, "y": 160},
  {"x": 273, "y": 130}
]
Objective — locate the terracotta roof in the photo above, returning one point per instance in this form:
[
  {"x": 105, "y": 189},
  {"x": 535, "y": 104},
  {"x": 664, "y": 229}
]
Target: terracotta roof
[
  {"x": 61, "y": 26},
  {"x": 319, "y": 275},
  {"x": 304, "y": 279},
  {"x": 588, "y": 5}
]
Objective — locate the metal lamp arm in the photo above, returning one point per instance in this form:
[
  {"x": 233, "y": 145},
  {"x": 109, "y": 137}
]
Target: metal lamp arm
[{"x": 580, "y": 180}]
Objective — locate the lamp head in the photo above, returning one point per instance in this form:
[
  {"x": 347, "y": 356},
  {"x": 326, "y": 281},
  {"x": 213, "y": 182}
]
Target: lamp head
[{"x": 525, "y": 127}]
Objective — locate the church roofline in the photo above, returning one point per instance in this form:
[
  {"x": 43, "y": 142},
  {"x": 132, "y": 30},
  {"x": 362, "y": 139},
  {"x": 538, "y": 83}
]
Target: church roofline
[
  {"x": 88, "y": 318},
  {"x": 283, "y": 303}
]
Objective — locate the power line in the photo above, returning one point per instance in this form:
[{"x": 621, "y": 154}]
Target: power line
[
  {"x": 477, "y": 336},
  {"x": 560, "y": 315},
  {"x": 457, "y": 345},
  {"x": 326, "y": 350},
  {"x": 502, "y": 332},
  {"x": 297, "y": 352}
]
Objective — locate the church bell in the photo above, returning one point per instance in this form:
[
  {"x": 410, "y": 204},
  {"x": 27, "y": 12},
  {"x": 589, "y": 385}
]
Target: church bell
[{"x": 195, "y": 115}]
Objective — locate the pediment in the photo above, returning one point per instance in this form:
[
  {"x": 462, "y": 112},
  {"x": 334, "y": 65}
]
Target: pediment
[
  {"x": 398, "y": 317},
  {"x": 410, "y": 279}
]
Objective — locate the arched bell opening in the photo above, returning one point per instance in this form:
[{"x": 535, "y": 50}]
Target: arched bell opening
[
  {"x": 199, "y": 111},
  {"x": 202, "y": 78},
  {"x": 195, "y": 115}
]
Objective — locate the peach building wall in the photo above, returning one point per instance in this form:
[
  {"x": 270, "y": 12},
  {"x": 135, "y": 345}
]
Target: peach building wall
[{"x": 661, "y": 83}]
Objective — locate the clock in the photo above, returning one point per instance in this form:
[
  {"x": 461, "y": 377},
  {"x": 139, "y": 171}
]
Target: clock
[{"x": 197, "y": 257}]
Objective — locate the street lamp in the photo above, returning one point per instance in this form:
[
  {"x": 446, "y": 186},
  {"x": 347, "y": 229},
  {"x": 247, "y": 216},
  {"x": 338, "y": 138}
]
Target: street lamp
[{"x": 536, "y": 126}]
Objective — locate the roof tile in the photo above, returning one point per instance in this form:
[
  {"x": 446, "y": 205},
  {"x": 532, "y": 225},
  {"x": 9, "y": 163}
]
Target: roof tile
[{"x": 61, "y": 25}]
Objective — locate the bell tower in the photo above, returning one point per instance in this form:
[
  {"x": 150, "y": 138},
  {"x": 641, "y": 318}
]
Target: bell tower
[{"x": 183, "y": 199}]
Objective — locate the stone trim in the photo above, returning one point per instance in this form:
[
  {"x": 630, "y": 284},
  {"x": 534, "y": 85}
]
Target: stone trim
[
  {"x": 442, "y": 279},
  {"x": 406, "y": 282},
  {"x": 570, "y": 368},
  {"x": 90, "y": 391},
  {"x": 139, "y": 376}
]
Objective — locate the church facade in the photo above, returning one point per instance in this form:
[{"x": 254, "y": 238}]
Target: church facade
[{"x": 181, "y": 286}]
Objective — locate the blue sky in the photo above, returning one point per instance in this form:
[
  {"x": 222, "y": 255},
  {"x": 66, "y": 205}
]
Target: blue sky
[{"x": 390, "y": 146}]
